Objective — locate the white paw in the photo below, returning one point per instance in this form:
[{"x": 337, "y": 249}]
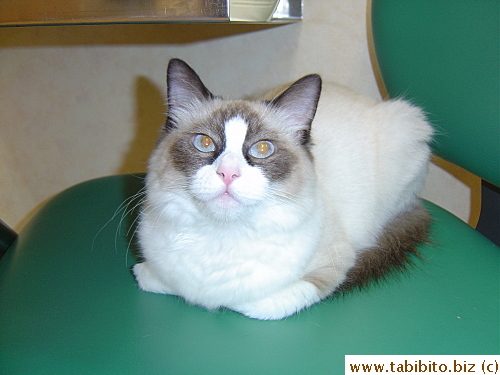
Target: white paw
[
  {"x": 147, "y": 279},
  {"x": 279, "y": 305}
]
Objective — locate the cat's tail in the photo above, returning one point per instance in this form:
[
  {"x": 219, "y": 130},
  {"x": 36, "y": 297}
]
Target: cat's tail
[{"x": 394, "y": 251}]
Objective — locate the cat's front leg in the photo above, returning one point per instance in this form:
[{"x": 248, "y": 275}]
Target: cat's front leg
[
  {"x": 148, "y": 280},
  {"x": 279, "y": 305}
]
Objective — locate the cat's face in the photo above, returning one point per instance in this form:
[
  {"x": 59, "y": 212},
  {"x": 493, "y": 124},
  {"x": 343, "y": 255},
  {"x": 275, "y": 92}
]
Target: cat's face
[{"x": 232, "y": 157}]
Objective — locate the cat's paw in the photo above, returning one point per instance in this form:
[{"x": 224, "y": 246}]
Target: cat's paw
[
  {"x": 147, "y": 280},
  {"x": 282, "y": 304}
]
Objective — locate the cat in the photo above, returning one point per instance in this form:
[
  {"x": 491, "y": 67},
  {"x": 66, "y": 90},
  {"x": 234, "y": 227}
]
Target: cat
[{"x": 268, "y": 207}]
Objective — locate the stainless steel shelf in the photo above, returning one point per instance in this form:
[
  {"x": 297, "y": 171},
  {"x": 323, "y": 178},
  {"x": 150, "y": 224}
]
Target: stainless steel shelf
[{"x": 82, "y": 12}]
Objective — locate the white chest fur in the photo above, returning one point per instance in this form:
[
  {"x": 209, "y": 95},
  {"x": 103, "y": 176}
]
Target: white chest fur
[{"x": 223, "y": 264}]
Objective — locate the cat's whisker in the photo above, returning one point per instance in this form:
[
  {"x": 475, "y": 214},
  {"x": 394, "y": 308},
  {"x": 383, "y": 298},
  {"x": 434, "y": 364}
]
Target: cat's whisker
[
  {"x": 120, "y": 209},
  {"x": 136, "y": 228},
  {"x": 137, "y": 217},
  {"x": 125, "y": 214},
  {"x": 123, "y": 208}
]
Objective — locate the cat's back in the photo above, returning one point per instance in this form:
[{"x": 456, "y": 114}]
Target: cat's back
[
  {"x": 346, "y": 117},
  {"x": 370, "y": 157}
]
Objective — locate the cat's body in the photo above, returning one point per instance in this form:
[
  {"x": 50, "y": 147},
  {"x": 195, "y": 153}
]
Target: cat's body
[{"x": 249, "y": 207}]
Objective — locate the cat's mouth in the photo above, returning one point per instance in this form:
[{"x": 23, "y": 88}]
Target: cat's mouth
[
  {"x": 227, "y": 197},
  {"x": 226, "y": 201},
  {"x": 226, "y": 205}
]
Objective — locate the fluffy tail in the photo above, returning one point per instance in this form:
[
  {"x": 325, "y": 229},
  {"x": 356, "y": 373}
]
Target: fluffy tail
[{"x": 394, "y": 250}]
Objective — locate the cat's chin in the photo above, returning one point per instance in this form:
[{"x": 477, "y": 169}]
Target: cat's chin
[{"x": 226, "y": 207}]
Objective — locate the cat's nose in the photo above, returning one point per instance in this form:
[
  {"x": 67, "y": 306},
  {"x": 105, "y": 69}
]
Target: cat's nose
[{"x": 228, "y": 173}]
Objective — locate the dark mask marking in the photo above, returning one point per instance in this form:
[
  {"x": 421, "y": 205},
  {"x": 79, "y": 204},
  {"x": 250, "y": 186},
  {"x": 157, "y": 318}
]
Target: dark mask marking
[{"x": 188, "y": 160}]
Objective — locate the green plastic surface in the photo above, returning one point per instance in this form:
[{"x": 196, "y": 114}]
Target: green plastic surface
[
  {"x": 69, "y": 304},
  {"x": 444, "y": 56}
]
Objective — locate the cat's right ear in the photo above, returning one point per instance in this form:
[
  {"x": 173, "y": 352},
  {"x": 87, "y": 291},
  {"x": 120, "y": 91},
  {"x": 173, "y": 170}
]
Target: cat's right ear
[{"x": 184, "y": 87}]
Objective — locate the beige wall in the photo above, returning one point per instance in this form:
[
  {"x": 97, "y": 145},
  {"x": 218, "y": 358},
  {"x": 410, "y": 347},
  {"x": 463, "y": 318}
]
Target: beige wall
[{"x": 78, "y": 102}]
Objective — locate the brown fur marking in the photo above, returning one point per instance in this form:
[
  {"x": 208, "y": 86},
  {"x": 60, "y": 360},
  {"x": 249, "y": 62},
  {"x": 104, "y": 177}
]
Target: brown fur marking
[{"x": 395, "y": 246}]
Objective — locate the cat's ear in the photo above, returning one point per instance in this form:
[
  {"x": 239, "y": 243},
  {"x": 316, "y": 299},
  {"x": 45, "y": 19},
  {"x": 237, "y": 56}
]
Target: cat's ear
[
  {"x": 183, "y": 84},
  {"x": 299, "y": 101},
  {"x": 184, "y": 87}
]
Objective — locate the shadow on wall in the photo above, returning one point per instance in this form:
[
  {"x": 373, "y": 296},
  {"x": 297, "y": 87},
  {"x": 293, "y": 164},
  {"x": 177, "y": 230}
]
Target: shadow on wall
[
  {"x": 150, "y": 116},
  {"x": 126, "y": 34}
]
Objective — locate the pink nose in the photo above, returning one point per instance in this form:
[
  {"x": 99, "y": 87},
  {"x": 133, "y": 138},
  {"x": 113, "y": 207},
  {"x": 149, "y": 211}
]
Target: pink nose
[{"x": 228, "y": 174}]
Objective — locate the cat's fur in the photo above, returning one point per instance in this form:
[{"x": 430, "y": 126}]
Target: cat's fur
[{"x": 334, "y": 205}]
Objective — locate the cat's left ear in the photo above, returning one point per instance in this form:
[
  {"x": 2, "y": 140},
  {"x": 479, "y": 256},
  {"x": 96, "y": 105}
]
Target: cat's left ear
[{"x": 299, "y": 102}]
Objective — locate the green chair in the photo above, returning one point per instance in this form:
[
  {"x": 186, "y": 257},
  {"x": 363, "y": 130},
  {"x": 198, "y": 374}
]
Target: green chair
[{"x": 69, "y": 303}]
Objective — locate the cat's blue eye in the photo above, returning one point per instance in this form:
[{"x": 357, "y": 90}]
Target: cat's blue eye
[
  {"x": 203, "y": 143},
  {"x": 261, "y": 149}
]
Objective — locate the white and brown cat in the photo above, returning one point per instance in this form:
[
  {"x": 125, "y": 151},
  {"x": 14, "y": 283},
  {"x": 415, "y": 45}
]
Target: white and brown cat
[{"x": 267, "y": 207}]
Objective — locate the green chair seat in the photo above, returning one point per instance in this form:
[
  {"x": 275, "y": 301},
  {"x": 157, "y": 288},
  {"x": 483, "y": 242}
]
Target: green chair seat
[{"x": 70, "y": 305}]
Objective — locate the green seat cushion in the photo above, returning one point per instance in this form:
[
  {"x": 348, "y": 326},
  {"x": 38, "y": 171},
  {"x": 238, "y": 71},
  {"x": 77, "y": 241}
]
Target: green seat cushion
[{"x": 70, "y": 305}]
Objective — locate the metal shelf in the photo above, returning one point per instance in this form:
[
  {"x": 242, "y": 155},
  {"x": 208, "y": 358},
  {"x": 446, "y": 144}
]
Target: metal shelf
[{"x": 83, "y": 12}]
